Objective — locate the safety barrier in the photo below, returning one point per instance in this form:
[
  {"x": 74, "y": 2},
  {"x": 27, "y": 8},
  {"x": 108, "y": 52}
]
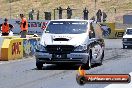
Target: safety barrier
[
  {"x": 16, "y": 48},
  {"x": 1, "y": 42},
  {"x": 113, "y": 32},
  {"x": 12, "y": 49},
  {"x": 2, "y": 39}
]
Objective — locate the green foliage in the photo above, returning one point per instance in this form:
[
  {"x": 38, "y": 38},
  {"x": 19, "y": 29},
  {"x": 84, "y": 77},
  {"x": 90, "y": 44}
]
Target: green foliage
[{"x": 12, "y": 1}]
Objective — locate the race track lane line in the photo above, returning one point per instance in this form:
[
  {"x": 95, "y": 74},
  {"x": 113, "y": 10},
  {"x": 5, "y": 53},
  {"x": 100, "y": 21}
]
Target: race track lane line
[{"x": 129, "y": 85}]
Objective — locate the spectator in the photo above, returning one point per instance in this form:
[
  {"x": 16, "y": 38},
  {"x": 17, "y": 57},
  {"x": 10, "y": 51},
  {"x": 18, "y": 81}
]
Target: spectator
[
  {"x": 104, "y": 16},
  {"x": 85, "y": 14},
  {"x": 23, "y": 26},
  {"x": 60, "y": 12},
  {"x": 99, "y": 14},
  {"x": 69, "y": 13},
  {"x": 31, "y": 14},
  {"x": 6, "y": 27}
]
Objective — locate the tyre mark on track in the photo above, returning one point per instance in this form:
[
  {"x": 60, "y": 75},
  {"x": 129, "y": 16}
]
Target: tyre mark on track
[
  {"x": 42, "y": 78},
  {"x": 116, "y": 54}
]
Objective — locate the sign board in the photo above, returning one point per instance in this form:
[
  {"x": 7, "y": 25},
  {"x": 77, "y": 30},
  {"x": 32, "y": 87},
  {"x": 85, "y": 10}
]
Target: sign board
[
  {"x": 109, "y": 31},
  {"x": 34, "y": 26},
  {"x": 127, "y": 19}
]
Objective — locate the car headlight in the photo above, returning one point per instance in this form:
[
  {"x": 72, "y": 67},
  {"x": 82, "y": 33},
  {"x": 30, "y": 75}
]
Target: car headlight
[
  {"x": 40, "y": 47},
  {"x": 124, "y": 39},
  {"x": 81, "y": 48}
]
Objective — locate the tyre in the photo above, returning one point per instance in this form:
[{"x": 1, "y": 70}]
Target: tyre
[
  {"x": 88, "y": 64},
  {"x": 123, "y": 46},
  {"x": 101, "y": 59},
  {"x": 39, "y": 65}
]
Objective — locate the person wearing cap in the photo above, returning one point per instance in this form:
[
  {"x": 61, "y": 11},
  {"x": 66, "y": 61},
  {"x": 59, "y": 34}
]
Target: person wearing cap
[
  {"x": 23, "y": 26},
  {"x": 6, "y": 27}
]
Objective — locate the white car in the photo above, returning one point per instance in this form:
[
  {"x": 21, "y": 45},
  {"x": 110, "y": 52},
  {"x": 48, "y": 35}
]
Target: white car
[
  {"x": 127, "y": 38},
  {"x": 70, "y": 42}
]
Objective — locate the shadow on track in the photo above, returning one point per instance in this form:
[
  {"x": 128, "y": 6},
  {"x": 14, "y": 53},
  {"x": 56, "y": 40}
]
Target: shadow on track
[{"x": 64, "y": 67}]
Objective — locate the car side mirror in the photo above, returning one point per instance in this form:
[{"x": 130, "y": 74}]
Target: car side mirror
[{"x": 91, "y": 35}]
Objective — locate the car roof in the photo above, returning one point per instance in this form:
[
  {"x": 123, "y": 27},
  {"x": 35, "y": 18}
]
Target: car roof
[{"x": 73, "y": 20}]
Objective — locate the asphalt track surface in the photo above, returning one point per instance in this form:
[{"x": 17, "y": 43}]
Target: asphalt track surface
[{"x": 23, "y": 73}]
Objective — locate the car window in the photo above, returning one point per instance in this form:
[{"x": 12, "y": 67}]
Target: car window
[
  {"x": 67, "y": 27},
  {"x": 129, "y": 31}
]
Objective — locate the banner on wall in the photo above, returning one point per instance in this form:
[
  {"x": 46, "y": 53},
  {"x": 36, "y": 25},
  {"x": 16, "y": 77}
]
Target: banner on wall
[
  {"x": 109, "y": 31},
  {"x": 29, "y": 46},
  {"x": 34, "y": 26}
]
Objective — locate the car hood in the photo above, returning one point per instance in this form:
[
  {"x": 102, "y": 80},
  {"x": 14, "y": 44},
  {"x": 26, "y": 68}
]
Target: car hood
[
  {"x": 127, "y": 36},
  {"x": 64, "y": 39}
]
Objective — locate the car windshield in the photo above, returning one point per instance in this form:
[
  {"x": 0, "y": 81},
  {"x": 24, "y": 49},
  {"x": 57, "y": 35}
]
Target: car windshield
[
  {"x": 129, "y": 31},
  {"x": 67, "y": 27}
]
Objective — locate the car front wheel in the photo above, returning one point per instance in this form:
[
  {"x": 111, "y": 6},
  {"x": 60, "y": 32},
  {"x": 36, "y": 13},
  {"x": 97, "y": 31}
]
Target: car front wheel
[
  {"x": 124, "y": 46},
  {"x": 88, "y": 64},
  {"x": 101, "y": 60},
  {"x": 39, "y": 65}
]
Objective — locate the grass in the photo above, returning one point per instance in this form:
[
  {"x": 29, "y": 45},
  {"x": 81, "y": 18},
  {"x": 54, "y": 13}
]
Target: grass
[{"x": 10, "y": 1}]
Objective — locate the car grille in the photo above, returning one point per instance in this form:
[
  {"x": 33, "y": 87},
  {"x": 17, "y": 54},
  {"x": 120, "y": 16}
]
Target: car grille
[
  {"x": 129, "y": 39},
  {"x": 59, "y": 49}
]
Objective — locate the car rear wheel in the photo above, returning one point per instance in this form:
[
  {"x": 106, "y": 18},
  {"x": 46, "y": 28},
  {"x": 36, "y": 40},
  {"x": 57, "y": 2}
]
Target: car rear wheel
[{"x": 39, "y": 65}]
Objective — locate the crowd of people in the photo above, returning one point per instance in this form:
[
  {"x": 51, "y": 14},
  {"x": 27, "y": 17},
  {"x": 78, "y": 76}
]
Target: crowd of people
[{"x": 100, "y": 15}]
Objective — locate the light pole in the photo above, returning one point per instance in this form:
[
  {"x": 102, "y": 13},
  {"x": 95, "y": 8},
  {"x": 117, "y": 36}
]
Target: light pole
[
  {"x": 95, "y": 5},
  {"x": 10, "y": 8},
  {"x": 95, "y": 1},
  {"x": 114, "y": 13}
]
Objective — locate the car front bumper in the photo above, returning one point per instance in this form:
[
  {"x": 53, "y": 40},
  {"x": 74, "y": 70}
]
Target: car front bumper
[
  {"x": 127, "y": 43},
  {"x": 70, "y": 58}
]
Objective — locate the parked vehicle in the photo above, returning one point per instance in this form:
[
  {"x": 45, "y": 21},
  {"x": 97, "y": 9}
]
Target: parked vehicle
[{"x": 127, "y": 38}]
